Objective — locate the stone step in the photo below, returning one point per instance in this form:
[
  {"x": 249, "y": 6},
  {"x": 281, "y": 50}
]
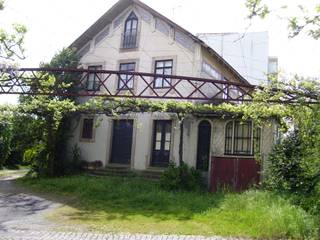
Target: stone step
[{"x": 150, "y": 174}]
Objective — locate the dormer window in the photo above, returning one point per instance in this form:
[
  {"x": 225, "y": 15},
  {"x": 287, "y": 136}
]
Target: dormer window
[{"x": 130, "y": 35}]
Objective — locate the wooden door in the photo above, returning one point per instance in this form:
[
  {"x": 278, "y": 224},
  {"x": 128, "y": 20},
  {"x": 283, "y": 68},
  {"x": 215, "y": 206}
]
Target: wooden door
[
  {"x": 161, "y": 143},
  {"x": 203, "y": 150},
  {"x": 122, "y": 141}
]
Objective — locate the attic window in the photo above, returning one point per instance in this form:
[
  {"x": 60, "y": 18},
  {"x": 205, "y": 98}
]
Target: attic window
[
  {"x": 130, "y": 35},
  {"x": 210, "y": 70}
]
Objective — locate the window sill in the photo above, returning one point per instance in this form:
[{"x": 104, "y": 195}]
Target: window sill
[
  {"x": 125, "y": 89},
  {"x": 237, "y": 156},
  {"x": 129, "y": 49},
  {"x": 161, "y": 87},
  {"x": 92, "y": 90},
  {"x": 87, "y": 140}
]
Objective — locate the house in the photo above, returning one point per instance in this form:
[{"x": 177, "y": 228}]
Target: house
[
  {"x": 247, "y": 52},
  {"x": 132, "y": 37}
]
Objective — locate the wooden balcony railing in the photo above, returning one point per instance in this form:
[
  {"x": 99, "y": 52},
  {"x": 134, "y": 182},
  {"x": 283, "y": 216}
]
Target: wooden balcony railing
[{"x": 29, "y": 81}]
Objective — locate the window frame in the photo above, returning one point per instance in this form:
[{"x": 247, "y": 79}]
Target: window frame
[
  {"x": 208, "y": 68},
  {"x": 253, "y": 140},
  {"x": 84, "y": 138},
  {"x": 169, "y": 81},
  {"x": 125, "y": 86},
  {"x": 130, "y": 33},
  {"x": 95, "y": 87}
]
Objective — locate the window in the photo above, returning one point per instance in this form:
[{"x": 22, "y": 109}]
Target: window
[
  {"x": 163, "y": 67},
  {"x": 130, "y": 32},
  {"x": 93, "y": 83},
  {"x": 241, "y": 138},
  {"x": 225, "y": 88},
  {"x": 126, "y": 80},
  {"x": 87, "y": 128},
  {"x": 210, "y": 70}
]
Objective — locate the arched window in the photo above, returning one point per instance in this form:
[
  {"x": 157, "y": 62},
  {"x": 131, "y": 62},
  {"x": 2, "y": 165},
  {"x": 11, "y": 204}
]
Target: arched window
[
  {"x": 130, "y": 32},
  {"x": 241, "y": 138}
]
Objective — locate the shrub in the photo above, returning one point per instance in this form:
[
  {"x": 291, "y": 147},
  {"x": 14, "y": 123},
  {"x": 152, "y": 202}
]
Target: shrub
[
  {"x": 181, "y": 178},
  {"x": 288, "y": 169},
  {"x": 37, "y": 158},
  {"x": 72, "y": 164}
]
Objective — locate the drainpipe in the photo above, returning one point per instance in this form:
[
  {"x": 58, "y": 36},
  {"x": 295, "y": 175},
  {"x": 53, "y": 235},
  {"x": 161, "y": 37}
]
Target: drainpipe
[{"x": 181, "y": 142}]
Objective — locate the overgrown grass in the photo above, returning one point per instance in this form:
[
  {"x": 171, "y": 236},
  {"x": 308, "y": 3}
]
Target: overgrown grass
[{"x": 135, "y": 205}]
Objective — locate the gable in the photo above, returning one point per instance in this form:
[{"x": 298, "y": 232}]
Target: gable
[{"x": 116, "y": 15}]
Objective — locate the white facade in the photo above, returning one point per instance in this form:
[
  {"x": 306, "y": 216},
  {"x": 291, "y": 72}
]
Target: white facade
[{"x": 157, "y": 40}]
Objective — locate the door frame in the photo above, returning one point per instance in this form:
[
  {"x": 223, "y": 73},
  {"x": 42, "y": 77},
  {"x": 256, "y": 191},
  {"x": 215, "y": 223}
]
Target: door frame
[
  {"x": 211, "y": 121},
  {"x": 210, "y": 143},
  {"x": 159, "y": 117},
  {"x": 134, "y": 133}
]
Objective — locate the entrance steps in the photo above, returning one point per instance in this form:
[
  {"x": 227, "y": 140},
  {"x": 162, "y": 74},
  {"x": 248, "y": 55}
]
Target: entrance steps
[{"x": 126, "y": 171}]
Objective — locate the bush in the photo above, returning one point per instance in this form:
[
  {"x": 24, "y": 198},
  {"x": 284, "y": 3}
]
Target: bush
[
  {"x": 37, "y": 158},
  {"x": 181, "y": 178},
  {"x": 288, "y": 171},
  {"x": 73, "y": 164}
]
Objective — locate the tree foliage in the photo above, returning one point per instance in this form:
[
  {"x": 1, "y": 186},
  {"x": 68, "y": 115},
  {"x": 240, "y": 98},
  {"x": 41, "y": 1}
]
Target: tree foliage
[
  {"x": 308, "y": 22},
  {"x": 11, "y": 42}
]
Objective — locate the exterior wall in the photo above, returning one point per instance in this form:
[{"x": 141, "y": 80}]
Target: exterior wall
[
  {"x": 155, "y": 43},
  {"x": 99, "y": 149}
]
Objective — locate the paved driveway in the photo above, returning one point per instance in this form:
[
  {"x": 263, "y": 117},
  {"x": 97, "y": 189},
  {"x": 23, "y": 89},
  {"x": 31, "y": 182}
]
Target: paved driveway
[{"x": 22, "y": 217}]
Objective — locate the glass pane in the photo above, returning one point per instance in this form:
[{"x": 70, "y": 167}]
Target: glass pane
[
  {"x": 168, "y": 63},
  {"x": 168, "y": 136},
  {"x": 160, "y": 64},
  {"x": 158, "y": 136},
  {"x": 123, "y": 67},
  {"x": 128, "y": 26},
  {"x": 134, "y": 24},
  {"x": 130, "y": 82},
  {"x": 158, "y": 82},
  {"x": 90, "y": 85},
  {"x": 167, "y": 146},
  {"x": 167, "y": 71},
  {"x": 166, "y": 82},
  {"x": 159, "y": 71},
  {"x": 158, "y": 145},
  {"x": 91, "y": 77},
  {"x": 131, "y": 66}
]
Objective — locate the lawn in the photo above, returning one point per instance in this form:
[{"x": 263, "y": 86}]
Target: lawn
[{"x": 134, "y": 205}]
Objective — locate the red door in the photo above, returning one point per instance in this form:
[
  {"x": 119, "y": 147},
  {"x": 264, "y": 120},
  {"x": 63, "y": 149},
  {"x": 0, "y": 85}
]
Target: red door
[{"x": 233, "y": 173}]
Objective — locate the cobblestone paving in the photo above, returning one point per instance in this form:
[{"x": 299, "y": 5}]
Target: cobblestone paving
[
  {"x": 43, "y": 235},
  {"x": 22, "y": 218}
]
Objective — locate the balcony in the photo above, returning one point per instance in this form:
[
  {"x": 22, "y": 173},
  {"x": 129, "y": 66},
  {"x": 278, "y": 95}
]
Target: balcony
[{"x": 129, "y": 40}]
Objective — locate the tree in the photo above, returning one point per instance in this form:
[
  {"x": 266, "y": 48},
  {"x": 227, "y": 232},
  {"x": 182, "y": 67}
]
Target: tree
[
  {"x": 308, "y": 22},
  {"x": 54, "y": 111},
  {"x": 11, "y": 43}
]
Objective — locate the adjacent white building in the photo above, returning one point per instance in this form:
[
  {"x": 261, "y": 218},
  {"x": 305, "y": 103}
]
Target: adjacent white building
[{"x": 248, "y": 53}]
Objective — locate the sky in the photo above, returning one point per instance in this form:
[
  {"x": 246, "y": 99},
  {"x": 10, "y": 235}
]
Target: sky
[{"x": 54, "y": 24}]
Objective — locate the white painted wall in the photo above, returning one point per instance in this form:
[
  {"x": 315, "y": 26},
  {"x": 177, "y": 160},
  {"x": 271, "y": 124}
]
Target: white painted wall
[{"x": 153, "y": 45}]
